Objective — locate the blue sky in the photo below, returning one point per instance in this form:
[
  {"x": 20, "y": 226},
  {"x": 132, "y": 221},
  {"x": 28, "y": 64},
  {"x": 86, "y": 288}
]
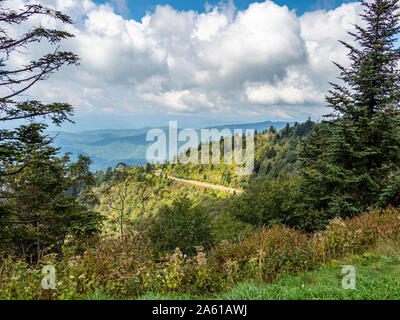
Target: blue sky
[{"x": 138, "y": 8}]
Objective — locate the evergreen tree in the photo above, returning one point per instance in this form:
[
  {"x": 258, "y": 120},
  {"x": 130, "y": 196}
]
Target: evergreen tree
[
  {"x": 352, "y": 158},
  {"x": 41, "y": 203},
  {"x": 22, "y": 146},
  {"x": 41, "y": 207},
  {"x": 272, "y": 130}
]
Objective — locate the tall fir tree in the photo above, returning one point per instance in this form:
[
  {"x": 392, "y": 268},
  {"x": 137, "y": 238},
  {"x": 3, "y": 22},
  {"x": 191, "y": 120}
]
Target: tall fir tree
[
  {"x": 351, "y": 161},
  {"x": 41, "y": 195}
]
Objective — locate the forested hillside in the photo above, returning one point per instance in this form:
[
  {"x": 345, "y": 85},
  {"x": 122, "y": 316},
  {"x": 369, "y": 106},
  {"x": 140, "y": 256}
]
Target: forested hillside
[
  {"x": 107, "y": 148},
  {"x": 276, "y": 157}
]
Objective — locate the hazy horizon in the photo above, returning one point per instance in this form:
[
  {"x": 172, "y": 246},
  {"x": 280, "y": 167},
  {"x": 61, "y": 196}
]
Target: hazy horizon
[{"x": 192, "y": 122}]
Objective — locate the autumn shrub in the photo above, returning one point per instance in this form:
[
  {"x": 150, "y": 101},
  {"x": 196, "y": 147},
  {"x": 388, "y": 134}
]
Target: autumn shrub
[
  {"x": 127, "y": 268},
  {"x": 352, "y": 236}
]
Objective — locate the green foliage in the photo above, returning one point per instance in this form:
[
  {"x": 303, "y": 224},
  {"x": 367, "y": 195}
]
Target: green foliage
[
  {"x": 376, "y": 280},
  {"x": 275, "y": 157},
  {"x": 126, "y": 268},
  {"x": 128, "y": 196},
  {"x": 391, "y": 193},
  {"x": 227, "y": 221},
  {"x": 43, "y": 198},
  {"x": 182, "y": 225},
  {"x": 349, "y": 162},
  {"x": 266, "y": 203},
  {"x": 226, "y": 227},
  {"x": 38, "y": 211},
  {"x": 80, "y": 175}
]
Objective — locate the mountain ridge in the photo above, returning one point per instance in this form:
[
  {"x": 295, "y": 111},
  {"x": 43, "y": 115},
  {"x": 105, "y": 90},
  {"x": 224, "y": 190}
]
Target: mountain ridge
[{"x": 108, "y": 147}]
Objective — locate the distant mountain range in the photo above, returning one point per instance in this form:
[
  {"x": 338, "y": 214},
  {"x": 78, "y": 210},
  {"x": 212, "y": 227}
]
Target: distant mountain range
[{"x": 109, "y": 147}]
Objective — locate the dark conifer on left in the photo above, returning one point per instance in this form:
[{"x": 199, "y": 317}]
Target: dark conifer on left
[{"x": 36, "y": 211}]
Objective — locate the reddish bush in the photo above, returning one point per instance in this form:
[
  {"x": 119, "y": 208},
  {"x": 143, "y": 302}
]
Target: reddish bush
[{"x": 128, "y": 268}]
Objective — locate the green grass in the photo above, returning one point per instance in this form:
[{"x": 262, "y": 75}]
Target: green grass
[
  {"x": 97, "y": 295},
  {"x": 156, "y": 296},
  {"x": 377, "y": 278}
]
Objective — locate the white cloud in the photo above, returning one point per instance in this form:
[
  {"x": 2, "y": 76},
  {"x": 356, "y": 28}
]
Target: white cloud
[
  {"x": 321, "y": 31},
  {"x": 294, "y": 89},
  {"x": 181, "y": 101},
  {"x": 264, "y": 60},
  {"x": 209, "y": 24}
]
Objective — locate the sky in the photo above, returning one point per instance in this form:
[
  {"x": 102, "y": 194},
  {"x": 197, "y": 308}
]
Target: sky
[{"x": 146, "y": 62}]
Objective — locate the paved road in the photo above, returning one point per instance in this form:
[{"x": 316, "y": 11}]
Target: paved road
[{"x": 205, "y": 185}]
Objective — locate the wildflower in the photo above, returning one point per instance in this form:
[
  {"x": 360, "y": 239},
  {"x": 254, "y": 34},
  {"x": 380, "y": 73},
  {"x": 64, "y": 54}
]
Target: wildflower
[{"x": 338, "y": 222}]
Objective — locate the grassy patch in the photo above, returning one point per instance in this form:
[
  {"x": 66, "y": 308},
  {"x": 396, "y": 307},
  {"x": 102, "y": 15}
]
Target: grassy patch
[
  {"x": 377, "y": 278},
  {"x": 97, "y": 295}
]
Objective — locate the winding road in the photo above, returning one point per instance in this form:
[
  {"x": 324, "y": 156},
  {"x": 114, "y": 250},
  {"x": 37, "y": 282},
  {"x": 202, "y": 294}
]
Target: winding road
[{"x": 204, "y": 185}]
